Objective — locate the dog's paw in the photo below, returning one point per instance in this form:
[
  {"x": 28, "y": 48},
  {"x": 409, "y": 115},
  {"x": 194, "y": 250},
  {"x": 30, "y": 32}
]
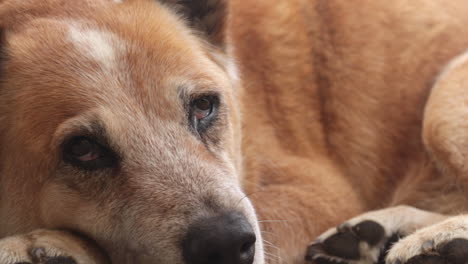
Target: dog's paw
[
  {"x": 366, "y": 239},
  {"x": 48, "y": 247},
  {"x": 360, "y": 242},
  {"x": 444, "y": 243}
]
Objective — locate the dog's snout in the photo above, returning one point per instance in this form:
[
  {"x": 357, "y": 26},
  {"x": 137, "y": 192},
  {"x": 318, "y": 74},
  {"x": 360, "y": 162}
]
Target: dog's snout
[{"x": 223, "y": 239}]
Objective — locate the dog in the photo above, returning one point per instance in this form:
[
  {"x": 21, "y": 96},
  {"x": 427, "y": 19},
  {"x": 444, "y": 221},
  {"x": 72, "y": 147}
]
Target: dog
[{"x": 145, "y": 131}]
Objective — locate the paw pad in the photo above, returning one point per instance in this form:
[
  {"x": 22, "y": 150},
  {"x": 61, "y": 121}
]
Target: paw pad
[
  {"x": 453, "y": 252},
  {"x": 370, "y": 231},
  {"x": 60, "y": 260},
  {"x": 456, "y": 251},
  {"x": 345, "y": 243}
]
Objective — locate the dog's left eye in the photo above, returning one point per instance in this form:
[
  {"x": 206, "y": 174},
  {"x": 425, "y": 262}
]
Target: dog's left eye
[
  {"x": 203, "y": 112},
  {"x": 86, "y": 153},
  {"x": 202, "y": 107}
]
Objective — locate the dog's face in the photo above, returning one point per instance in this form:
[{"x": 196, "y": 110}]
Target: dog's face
[{"x": 119, "y": 123}]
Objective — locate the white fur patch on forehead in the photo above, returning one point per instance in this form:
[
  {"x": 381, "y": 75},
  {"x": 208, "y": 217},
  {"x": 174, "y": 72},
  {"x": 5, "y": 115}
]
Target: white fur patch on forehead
[{"x": 95, "y": 44}]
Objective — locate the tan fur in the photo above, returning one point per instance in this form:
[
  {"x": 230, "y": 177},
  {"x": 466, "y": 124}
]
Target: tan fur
[{"x": 332, "y": 95}]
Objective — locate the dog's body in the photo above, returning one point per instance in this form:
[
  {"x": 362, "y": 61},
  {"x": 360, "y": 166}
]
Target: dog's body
[
  {"x": 332, "y": 96},
  {"x": 335, "y": 93}
]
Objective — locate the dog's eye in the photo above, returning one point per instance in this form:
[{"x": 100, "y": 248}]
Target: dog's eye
[
  {"x": 86, "y": 153},
  {"x": 203, "y": 111},
  {"x": 202, "y": 107}
]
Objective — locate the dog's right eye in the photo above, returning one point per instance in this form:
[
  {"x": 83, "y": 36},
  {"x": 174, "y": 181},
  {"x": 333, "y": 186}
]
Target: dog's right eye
[{"x": 86, "y": 153}]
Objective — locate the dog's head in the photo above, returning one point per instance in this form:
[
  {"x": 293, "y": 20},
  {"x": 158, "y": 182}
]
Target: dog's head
[{"x": 119, "y": 120}]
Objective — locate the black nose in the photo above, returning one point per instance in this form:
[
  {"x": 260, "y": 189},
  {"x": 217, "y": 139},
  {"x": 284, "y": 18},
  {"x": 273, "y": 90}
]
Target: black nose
[{"x": 223, "y": 239}]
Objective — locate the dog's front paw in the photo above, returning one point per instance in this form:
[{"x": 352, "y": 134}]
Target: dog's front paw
[
  {"x": 352, "y": 242},
  {"x": 366, "y": 239},
  {"x": 49, "y": 247},
  {"x": 444, "y": 243}
]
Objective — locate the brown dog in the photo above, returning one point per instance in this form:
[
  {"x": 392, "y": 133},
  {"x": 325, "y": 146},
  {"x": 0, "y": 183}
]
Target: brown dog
[{"x": 120, "y": 121}]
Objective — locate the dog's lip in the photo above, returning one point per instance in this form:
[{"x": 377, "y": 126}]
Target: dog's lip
[{"x": 116, "y": 251}]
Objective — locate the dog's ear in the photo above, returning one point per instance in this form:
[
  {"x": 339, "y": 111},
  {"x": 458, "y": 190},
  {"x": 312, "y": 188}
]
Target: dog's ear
[{"x": 206, "y": 16}]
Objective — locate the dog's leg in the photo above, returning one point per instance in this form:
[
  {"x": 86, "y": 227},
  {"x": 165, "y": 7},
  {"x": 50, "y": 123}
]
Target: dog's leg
[
  {"x": 287, "y": 206},
  {"x": 445, "y": 127},
  {"x": 445, "y": 134},
  {"x": 365, "y": 239},
  {"x": 49, "y": 247}
]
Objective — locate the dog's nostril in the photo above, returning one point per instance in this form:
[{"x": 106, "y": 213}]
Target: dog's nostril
[
  {"x": 249, "y": 242},
  {"x": 248, "y": 248},
  {"x": 223, "y": 239}
]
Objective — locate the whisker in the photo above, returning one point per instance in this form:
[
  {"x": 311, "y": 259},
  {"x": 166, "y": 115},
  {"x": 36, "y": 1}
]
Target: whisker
[
  {"x": 266, "y": 242},
  {"x": 268, "y": 233},
  {"x": 273, "y": 257},
  {"x": 272, "y": 221},
  {"x": 272, "y": 247},
  {"x": 247, "y": 195}
]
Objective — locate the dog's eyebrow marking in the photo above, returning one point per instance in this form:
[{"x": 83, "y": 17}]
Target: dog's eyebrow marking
[
  {"x": 81, "y": 126},
  {"x": 97, "y": 45}
]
